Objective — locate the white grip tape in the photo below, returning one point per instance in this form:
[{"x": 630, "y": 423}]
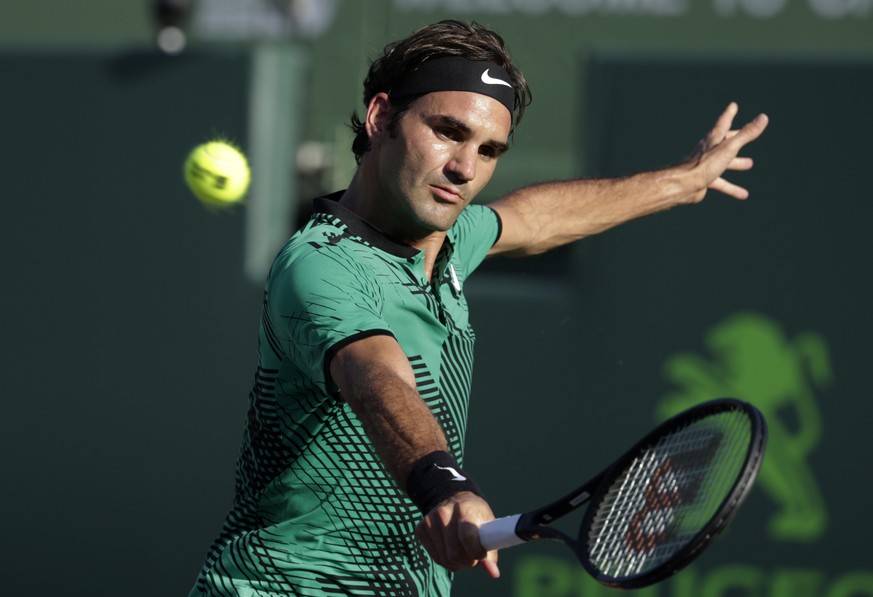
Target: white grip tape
[{"x": 500, "y": 533}]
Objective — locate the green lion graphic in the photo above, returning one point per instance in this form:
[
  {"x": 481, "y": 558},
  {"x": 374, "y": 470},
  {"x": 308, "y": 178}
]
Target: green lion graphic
[{"x": 752, "y": 359}]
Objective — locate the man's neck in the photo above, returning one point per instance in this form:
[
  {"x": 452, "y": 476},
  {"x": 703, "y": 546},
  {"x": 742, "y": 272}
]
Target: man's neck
[{"x": 356, "y": 199}]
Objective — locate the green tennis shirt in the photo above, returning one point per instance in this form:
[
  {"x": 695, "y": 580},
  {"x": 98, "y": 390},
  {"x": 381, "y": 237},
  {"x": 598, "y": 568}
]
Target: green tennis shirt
[{"x": 315, "y": 512}]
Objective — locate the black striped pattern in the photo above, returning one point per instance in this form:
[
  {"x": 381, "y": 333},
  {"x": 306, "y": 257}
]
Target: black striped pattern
[{"x": 315, "y": 512}]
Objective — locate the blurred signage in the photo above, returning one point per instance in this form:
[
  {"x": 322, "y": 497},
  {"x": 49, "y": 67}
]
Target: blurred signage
[
  {"x": 546, "y": 576},
  {"x": 825, "y": 9},
  {"x": 263, "y": 19}
]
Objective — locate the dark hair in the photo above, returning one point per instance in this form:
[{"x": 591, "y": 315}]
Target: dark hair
[{"x": 446, "y": 38}]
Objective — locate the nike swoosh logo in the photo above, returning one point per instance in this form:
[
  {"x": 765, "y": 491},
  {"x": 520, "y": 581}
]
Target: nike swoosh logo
[
  {"x": 489, "y": 80},
  {"x": 456, "y": 476}
]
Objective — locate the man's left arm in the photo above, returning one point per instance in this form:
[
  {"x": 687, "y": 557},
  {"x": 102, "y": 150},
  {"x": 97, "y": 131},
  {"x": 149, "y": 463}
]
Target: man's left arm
[{"x": 544, "y": 216}]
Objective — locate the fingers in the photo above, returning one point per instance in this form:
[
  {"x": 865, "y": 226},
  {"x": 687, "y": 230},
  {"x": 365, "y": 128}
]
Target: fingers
[
  {"x": 450, "y": 534},
  {"x": 752, "y": 130},
  {"x": 431, "y": 539},
  {"x": 729, "y": 189},
  {"x": 723, "y": 125},
  {"x": 722, "y": 130},
  {"x": 718, "y": 153},
  {"x": 741, "y": 164},
  {"x": 439, "y": 534},
  {"x": 489, "y": 564}
]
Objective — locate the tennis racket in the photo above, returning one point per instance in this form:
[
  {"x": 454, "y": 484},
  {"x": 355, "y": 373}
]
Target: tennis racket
[{"x": 659, "y": 505}]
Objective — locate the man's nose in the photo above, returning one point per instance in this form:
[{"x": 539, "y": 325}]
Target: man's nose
[{"x": 463, "y": 163}]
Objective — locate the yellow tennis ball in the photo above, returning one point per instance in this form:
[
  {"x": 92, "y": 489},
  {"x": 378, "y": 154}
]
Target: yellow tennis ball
[{"x": 217, "y": 173}]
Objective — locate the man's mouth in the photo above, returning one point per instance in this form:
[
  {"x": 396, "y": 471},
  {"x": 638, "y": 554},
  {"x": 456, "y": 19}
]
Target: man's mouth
[{"x": 446, "y": 194}]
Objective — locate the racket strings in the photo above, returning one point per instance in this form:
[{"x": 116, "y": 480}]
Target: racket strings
[{"x": 667, "y": 494}]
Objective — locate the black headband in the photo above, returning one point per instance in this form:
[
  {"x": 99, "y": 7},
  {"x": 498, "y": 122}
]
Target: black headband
[{"x": 454, "y": 73}]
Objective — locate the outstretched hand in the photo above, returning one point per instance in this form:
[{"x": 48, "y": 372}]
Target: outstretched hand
[
  {"x": 450, "y": 534},
  {"x": 719, "y": 151}
]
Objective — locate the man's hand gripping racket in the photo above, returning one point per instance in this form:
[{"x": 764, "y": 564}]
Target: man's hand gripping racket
[{"x": 661, "y": 504}]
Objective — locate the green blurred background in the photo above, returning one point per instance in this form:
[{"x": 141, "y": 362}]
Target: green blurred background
[{"x": 130, "y": 312}]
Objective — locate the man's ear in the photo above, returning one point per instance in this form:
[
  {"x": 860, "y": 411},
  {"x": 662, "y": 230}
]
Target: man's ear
[{"x": 376, "y": 121}]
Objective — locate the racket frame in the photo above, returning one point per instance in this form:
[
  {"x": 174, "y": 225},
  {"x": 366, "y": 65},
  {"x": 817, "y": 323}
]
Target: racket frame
[{"x": 534, "y": 524}]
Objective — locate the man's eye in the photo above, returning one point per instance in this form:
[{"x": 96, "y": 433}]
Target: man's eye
[
  {"x": 450, "y": 134},
  {"x": 487, "y": 152}
]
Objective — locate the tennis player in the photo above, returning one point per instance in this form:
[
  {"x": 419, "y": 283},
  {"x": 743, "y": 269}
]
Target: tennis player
[{"x": 350, "y": 477}]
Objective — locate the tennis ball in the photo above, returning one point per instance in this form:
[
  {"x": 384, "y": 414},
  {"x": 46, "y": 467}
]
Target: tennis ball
[{"x": 217, "y": 173}]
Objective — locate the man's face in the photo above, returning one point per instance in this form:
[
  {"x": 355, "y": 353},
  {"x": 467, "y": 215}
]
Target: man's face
[{"x": 442, "y": 154}]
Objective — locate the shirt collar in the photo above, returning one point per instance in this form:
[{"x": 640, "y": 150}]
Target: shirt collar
[{"x": 357, "y": 226}]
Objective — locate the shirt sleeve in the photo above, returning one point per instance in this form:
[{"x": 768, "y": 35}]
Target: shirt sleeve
[
  {"x": 477, "y": 229},
  {"x": 317, "y": 304}
]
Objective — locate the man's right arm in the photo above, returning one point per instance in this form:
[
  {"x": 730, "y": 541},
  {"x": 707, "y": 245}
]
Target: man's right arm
[
  {"x": 543, "y": 216},
  {"x": 376, "y": 380}
]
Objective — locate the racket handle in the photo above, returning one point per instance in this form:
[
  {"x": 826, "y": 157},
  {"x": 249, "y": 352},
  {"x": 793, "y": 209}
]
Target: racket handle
[{"x": 500, "y": 533}]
